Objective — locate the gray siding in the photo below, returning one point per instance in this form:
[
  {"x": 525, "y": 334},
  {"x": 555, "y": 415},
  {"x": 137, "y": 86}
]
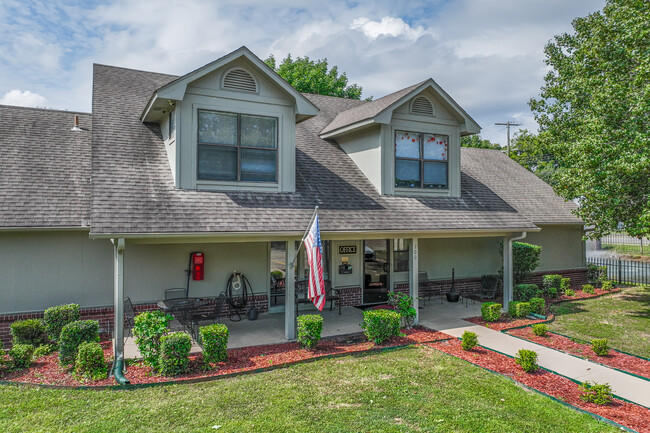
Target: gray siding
[{"x": 562, "y": 247}]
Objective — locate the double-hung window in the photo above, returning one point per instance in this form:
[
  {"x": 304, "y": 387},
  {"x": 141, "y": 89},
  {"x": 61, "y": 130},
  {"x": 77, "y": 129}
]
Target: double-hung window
[
  {"x": 237, "y": 147},
  {"x": 421, "y": 160}
]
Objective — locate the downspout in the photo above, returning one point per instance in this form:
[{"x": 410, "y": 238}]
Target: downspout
[
  {"x": 507, "y": 296},
  {"x": 118, "y": 308}
]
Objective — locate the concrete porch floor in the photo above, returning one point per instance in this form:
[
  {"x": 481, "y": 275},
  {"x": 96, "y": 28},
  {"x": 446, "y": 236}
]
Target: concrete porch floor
[{"x": 269, "y": 328}]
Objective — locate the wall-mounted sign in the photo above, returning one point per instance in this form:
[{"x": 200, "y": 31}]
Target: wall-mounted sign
[{"x": 347, "y": 249}]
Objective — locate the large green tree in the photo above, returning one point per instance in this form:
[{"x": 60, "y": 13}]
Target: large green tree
[
  {"x": 533, "y": 152},
  {"x": 312, "y": 76},
  {"x": 478, "y": 142},
  {"x": 594, "y": 112}
]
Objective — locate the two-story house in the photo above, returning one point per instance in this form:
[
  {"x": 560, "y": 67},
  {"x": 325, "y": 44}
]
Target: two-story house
[{"x": 230, "y": 161}]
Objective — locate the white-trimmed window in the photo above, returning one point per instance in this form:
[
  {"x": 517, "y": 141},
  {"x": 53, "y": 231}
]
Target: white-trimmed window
[
  {"x": 237, "y": 147},
  {"x": 421, "y": 160}
]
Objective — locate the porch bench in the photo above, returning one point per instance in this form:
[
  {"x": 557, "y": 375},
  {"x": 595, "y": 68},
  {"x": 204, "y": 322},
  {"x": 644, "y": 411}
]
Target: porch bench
[{"x": 302, "y": 287}]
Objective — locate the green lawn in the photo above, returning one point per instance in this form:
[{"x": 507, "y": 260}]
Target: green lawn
[
  {"x": 411, "y": 390},
  {"x": 623, "y": 318}
]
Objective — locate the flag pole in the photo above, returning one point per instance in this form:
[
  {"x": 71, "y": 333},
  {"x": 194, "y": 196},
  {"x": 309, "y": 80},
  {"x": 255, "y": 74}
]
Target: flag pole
[{"x": 311, "y": 220}]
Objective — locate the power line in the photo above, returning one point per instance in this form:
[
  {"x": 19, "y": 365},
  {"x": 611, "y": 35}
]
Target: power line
[{"x": 508, "y": 124}]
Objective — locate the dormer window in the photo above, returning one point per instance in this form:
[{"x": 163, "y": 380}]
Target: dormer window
[
  {"x": 421, "y": 160},
  {"x": 237, "y": 147}
]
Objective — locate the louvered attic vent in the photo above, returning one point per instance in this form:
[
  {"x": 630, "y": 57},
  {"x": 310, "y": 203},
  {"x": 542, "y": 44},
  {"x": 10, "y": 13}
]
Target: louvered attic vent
[
  {"x": 422, "y": 105},
  {"x": 239, "y": 80}
]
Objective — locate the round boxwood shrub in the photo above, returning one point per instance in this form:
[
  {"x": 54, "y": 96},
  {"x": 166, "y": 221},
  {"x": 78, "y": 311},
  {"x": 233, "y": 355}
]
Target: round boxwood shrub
[
  {"x": 537, "y": 305},
  {"x": 491, "y": 311},
  {"x": 569, "y": 292},
  {"x": 565, "y": 283},
  {"x": 148, "y": 329},
  {"x": 175, "y": 353},
  {"x": 588, "y": 288},
  {"x": 469, "y": 340},
  {"x": 214, "y": 340},
  {"x": 380, "y": 325},
  {"x": 30, "y": 331},
  {"x": 599, "y": 346},
  {"x": 527, "y": 360},
  {"x": 519, "y": 309},
  {"x": 607, "y": 285},
  {"x": 551, "y": 281},
  {"x": 57, "y": 317},
  {"x": 592, "y": 392},
  {"x": 524, "y": 292},
  {"x": 73, "y": 334},
  {"x": 310, "y": 327},
  {"x": 90, "y": 363},
  {"x": 540, "y": 329},
  {"x": 21, "y": 355}
]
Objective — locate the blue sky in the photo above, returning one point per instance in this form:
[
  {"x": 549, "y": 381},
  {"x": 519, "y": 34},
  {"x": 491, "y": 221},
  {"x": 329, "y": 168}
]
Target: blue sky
[{"x": 487, "y": 54}]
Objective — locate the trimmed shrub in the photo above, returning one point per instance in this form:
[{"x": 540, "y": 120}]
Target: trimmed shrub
[
  {"x": 595, "y": 274},
  {"x": 524, "y": 292},
  {"x": 565, "y": 283},
  {"x": 551, "y": 281},
  {"x": 527, "y": 360},
  {"x": 57, "y": 317},
  {"x": 599, "y": 346},
  {"x": 148, "y": 328},
  {"x": 30, "y": 331},
  {"x": 569, "y": 292},
  {"x": 175, "y": 353},
  {"x": 593, "y": 392},
  {"x": 44, "y": 350},
  {"x": 90, "y": 362},
  {"x": 73, "y": 334},
  {"x": 310, "y": 327},
  {"x": 21, "y": 355},
  {"x": 3, "y": 359},
  {"x": 403, "y": 304},
  {"x": 588, "y": 288},
  {"x": 552, "y": 292},
  {"x": 519, "y": 309},
  {"x": 491, "y": 311},
  {"x": 469, "y": 341},
  {"x": 607, "y": 285},
  {"x": 540, "y": 329},
  {"x": 214, "y": 340},
  {"x": 380, "y": 325},
  {"x": 525, "y": 259},
  {"x": 537, "y": 305}
]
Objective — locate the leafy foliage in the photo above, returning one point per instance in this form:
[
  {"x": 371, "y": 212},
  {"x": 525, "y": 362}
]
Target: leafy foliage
[
  {"x": 596, "y": 274},
  {"x": 477, "y": 142},
  {"x": 214, "y": 341},
  {"x": 588, "y": 288},
  {"x": 44, "y": 350},
  {"x": 533, "y": 152},
  {"x": 404, "y": 306},
  {"x": 73, "y": 334},
  {"x": 469, "y": 341},
  {"x": 310, "y": 327},
  {"x": 21, "y": 355},
  {"x": 537, "y": 305},
  {"x": 491, "y": 311},
  {"x": 600, "y": 346},
  {"x": 551, "y": 280},
  {"x": 57, "y": 317},
  {"x": 594, "y": 112},
  {"x": 569, "y": 292},
  {"x": 29, "y": 331},
  {"x": 607, "y": 285},
  {"x": 175, "y": 353},
  {"x": 312, "y": 76},
  {"x": 380, "y": 325},
  {"x": 90, "y": 361},
  {"x": 519, "y": 309},
  {"x": 524, "y": 292},
  {"x": 540, "y": 329},
  {"x": 565, "y": 283},
  {"x": 148, "y": 328},
  {"x": 593, "y": 392},
  {"x": 527, "y": 360},
  {"x": 525, "y": 259}
]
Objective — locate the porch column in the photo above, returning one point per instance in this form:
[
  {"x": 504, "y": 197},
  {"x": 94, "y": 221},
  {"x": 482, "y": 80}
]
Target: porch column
[
  {"x": 118, "y": 293},
  {"x": 507, "y": 272},
  {"x": 414, "y": 282},
  {"x": 289, "y": 293}
]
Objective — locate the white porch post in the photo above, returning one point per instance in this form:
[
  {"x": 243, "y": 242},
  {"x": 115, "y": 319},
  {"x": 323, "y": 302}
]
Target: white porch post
[
  {"x": 507, "y": 272},
  {"x": 414, "y": 281},
  {"x": 289, "y": 293},
  {"x": 118, "y": 293}
]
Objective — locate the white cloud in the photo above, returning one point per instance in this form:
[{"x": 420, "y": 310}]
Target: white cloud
[
  {"x": 23, "y": 98},
  {"x": 388, "y": 26}
]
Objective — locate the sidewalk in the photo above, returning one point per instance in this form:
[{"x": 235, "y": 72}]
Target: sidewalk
[{"x": 623, "y": 385}]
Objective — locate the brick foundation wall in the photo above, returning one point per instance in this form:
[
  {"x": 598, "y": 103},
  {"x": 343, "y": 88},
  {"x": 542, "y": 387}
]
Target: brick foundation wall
[
  {"x": 578, "y": 276},
  {"x": 350, "y": 296}
]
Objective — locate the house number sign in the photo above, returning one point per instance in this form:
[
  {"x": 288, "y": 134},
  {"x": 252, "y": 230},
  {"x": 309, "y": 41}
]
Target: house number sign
[{"x": 347, "y": 249}]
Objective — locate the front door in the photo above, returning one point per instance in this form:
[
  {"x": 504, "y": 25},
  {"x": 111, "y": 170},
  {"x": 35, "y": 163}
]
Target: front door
[{"x": 376, "y": 268}]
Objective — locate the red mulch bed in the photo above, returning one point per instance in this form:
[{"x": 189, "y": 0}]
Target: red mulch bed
[
  {"x": 579, "y": 294},
  {"x": 505, "y": 322},
  {"x": 628, "y": 414},
  {"x": 46, "y": 370},
  {"x": 614, "y": 359}
]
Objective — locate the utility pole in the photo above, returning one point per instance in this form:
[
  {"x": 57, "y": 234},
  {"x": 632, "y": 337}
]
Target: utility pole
[{"x": 508, "y": 125}]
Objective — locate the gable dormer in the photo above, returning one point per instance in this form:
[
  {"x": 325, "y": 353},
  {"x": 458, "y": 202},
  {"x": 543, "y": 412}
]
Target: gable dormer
[
  {"x": 408, "y": 142},
  {"x": 230, "y": 126}
]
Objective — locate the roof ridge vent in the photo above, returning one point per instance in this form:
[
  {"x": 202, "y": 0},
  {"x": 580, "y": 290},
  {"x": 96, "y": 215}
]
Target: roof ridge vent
[
  {"x": 422, "y": 105},
  {"x": 239, "y": 80}
]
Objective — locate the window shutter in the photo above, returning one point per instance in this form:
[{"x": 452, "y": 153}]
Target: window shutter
[
  {"x": 240, "y": 81},
  {"x": 422, "y": 105}
]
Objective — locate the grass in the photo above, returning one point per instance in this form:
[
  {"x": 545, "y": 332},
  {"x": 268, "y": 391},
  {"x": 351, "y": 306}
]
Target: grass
[
  {"x": 623, "y": 318},
  {"x": 409, "y": 390},
  {"x": 628, "y": 249}
]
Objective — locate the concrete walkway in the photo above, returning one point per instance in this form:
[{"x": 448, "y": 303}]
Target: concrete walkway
[{"x": 623, "y": 385}]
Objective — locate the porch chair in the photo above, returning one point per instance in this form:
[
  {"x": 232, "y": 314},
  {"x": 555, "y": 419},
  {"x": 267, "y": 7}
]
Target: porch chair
[
  {"x": 214, "y": 315},
  {"x": 129, "y": 314},
  {"x": 175, "y": 293},
  {"x": 490, "y": 285},
  {"x": 424, "y": 286},
  {"x": 302, "y": 288}
]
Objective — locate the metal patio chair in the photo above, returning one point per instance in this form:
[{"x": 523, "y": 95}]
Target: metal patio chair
[
  {"x": 129, "y": 315},
  {"x": 175, "y": 293},
  {"x": 213, "y": 314}
]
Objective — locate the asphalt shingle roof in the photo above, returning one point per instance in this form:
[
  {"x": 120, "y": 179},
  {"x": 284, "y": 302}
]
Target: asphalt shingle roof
[{"x": 44, "y": 168}]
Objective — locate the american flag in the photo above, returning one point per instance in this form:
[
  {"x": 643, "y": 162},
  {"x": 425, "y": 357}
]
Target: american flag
[{"x": 314, "y": 251}]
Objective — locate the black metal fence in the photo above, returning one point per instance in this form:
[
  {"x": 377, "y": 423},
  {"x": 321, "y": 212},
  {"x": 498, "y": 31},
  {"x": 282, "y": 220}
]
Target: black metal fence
[
  {"x": 624, "y": 244},
  {"x": 624, "y": 271}
]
